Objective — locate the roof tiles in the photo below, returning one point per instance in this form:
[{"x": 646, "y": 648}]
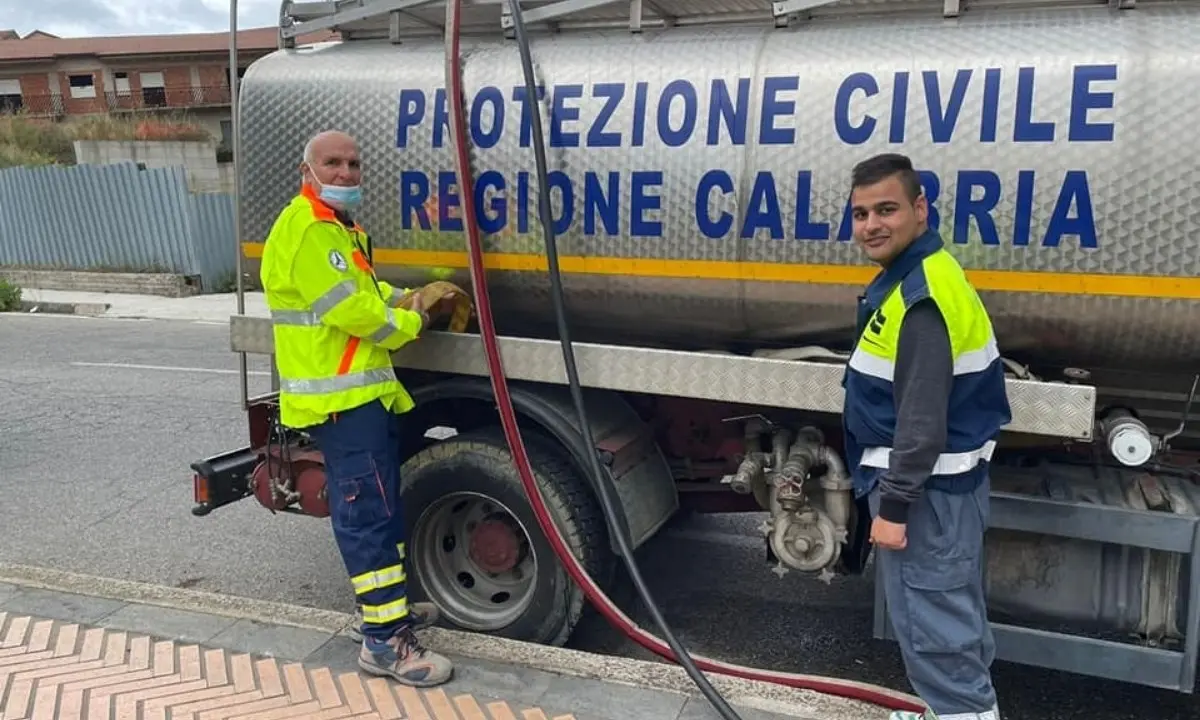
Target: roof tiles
[{"x": 46, "y": 48}]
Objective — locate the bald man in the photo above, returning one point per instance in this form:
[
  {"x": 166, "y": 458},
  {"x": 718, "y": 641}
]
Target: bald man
[{"x": 335, "y": 327}]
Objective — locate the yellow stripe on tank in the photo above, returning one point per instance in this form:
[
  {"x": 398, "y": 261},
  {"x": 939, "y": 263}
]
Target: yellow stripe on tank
[{"x": 1138, "y": 286}]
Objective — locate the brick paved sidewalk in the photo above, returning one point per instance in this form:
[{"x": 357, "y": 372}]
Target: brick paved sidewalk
[
  {"x": 66, "y": 656},
  {"x": 51, "y": 670}
]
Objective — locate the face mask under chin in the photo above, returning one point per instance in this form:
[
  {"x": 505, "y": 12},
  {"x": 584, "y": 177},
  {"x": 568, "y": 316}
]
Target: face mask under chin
[
  {"x": 338, "y": 195},
  {"x": 347, "y": 197}
]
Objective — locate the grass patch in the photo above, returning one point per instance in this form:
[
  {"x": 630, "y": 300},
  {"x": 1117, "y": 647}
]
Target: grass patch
[
  {"x": 31, "y": 141},
  {"x": 34, "y": 142},
  {"x": 109, "y": 127}
]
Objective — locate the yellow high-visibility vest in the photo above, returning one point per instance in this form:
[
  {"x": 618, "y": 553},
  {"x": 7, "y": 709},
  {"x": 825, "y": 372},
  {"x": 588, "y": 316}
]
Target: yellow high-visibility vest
[
  {"x": 979, "y": 405},
  {"x": 335, "y": 324}
]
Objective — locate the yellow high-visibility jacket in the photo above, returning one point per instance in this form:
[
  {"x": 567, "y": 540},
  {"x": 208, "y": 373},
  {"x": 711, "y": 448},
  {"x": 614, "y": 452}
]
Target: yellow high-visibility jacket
[{"x": 335, "y": 324}]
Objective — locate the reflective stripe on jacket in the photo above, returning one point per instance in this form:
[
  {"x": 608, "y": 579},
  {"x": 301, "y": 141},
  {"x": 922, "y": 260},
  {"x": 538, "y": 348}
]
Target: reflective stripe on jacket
[
  {"x": 978, "y": 401},
  {"x": 335, "y": 325}
]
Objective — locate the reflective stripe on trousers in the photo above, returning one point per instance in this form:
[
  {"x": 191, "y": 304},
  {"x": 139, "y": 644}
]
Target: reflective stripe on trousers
[
  {"x": 377, "y": 579},
  {"x": 384, "y": 614},
  {"x": 947, "y": 463}
]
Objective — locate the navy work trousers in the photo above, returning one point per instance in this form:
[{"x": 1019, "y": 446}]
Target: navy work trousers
[
  {"x": 936, "y": 604},
  {"x": 362, "y": 462}
]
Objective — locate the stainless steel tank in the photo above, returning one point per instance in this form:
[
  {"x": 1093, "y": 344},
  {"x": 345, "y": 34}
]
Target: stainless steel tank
[{"x": 706, "y": 172}]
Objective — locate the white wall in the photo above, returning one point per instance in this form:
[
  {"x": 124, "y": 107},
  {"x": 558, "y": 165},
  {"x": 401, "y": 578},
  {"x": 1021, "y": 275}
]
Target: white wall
[{"x": 199, "y": 158}]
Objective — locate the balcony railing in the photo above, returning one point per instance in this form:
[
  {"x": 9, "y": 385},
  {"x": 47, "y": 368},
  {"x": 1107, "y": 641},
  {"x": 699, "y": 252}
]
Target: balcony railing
[
  {"x": 147, "y": 99},
  {"x": 183, "y": 96},
  {"x": 41, "y": 104}
]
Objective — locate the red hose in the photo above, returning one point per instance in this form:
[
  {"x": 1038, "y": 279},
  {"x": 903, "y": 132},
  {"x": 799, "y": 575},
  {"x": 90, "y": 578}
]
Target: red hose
[{"x": 865, "y": 692}]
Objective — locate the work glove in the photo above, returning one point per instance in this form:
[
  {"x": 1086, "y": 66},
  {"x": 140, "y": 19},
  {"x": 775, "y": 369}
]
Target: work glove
[{"x": 439, "y": 299}]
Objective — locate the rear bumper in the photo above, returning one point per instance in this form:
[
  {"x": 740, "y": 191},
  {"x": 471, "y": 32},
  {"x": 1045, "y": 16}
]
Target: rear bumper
[{"x": 223, "y": 479}]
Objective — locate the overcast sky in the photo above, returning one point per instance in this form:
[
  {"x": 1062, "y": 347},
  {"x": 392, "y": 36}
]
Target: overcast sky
[{"x": 83, "y": 18}]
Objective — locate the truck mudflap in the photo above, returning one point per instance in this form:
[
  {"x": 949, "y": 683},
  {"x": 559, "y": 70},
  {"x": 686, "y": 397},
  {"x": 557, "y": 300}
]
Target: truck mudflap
[{"x": 223, "y": 479}]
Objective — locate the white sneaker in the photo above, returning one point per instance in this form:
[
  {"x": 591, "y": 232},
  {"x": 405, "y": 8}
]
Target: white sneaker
[{"x": 993, "y": 714}]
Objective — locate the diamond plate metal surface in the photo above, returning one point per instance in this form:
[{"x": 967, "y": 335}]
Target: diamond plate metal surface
[
  {"x": 1039, "y": 408},
  {"x": 1141, "y": 186}
]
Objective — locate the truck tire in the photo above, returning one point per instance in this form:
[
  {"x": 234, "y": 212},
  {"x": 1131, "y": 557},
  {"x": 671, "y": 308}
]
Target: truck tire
[{"x": 475, "y": 548}]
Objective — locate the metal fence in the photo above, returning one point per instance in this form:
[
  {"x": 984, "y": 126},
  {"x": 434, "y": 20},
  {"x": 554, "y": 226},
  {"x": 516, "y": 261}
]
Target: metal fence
[
  {"x": 171, "y": 97},
  {"x": 115, "y": 217}
]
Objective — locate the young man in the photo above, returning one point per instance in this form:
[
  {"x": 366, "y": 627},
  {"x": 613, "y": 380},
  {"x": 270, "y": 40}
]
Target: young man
[
  {"x": 925, "y": 400},
  {"x": 335, "y": 328}
]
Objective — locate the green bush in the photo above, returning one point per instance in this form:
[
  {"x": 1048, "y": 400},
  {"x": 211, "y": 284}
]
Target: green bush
[
  {"x": 34, "y": 142},
  {"x": 16, "y": 156},
  {"x": 10, "y": 296}
]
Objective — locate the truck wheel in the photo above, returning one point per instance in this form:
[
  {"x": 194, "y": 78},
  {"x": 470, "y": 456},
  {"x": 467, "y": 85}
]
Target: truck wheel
[{"x": 475, "y": 548}]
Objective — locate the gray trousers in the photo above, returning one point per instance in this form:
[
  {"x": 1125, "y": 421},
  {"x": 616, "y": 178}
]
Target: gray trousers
[{"x": 935, "y": 601}]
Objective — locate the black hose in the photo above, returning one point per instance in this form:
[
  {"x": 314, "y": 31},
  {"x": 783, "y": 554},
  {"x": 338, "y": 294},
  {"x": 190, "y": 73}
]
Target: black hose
[{"x": 603, "y": 481}]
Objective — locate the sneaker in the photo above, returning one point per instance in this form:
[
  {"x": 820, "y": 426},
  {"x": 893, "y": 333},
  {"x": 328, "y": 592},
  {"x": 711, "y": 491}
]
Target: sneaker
[
  {"x": 422, "y": 615},
  {"x": 993, "y": 714},
  {"x": 405, "y": 660}
]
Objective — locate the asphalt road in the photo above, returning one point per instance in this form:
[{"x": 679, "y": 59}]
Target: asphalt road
[{"x": 99, "y": 420}]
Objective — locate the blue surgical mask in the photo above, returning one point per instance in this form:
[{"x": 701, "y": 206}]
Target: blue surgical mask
[
  {"x": 339, "y": 195},
  {"x": 347, "y": 197}
]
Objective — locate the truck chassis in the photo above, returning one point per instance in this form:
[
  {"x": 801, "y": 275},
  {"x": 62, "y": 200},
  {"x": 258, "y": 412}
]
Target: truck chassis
[
  {"x": 1087, "y": 529},
  {"x": 443, "y": 366}
]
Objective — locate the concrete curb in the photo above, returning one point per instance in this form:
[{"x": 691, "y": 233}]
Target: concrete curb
[
  {"x": 59, "y": 308},
  {"x": 562, "y": 661},
  {"x": 164, "y": 285}
]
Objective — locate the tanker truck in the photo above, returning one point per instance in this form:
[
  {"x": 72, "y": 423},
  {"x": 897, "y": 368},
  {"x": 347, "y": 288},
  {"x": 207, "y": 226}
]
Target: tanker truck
[{"x": 699, "y": 155}]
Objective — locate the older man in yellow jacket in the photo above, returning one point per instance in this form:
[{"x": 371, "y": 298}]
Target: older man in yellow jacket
[{"x": 335, "y": 327}]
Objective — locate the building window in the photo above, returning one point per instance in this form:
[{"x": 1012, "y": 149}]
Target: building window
[
  {"x": 121, "y": 83},
  {"x": 82, "y": 86},
  {"x": 154, "y": 91},
  {"x": 11, "y": 100},
  {"x": 241, "y": 74}
]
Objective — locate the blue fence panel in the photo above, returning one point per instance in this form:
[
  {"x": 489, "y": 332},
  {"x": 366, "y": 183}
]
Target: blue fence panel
[
  {"x": 114, "y": 217},
  {"x": 215, "y": 244}
]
